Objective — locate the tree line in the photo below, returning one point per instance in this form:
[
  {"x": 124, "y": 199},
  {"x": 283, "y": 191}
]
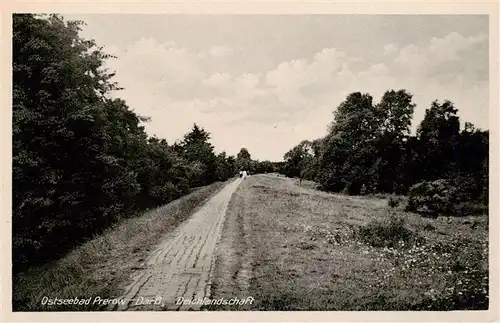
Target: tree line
[
  {"x": 81, "y": 159},
  {"x": 369, "y": 149}
]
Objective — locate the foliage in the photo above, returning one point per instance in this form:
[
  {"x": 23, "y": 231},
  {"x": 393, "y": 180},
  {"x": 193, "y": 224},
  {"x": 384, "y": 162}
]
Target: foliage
[
  {"x": 432, "y": 197},
  {"x": 444, "y": 197},
  {"x": 299, "y": 161},
  {"x": 369, "y": 149},
  {"x": 243, "y": 160},
  {"x": 82, "y": 160}
]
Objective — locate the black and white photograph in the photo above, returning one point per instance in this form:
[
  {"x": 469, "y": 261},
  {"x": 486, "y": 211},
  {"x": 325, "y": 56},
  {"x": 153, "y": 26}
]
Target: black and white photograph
[{"x": 250, "y": 162}]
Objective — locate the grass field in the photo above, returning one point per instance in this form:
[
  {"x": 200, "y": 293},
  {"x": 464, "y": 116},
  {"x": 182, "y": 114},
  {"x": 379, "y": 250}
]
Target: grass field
[
  {"x": 103, "y": 266},
  {"x": 295, "y": 248}
]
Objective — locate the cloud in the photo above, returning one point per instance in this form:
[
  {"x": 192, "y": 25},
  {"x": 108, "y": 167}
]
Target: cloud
[
  {"x": 447, "y": 58},
  {"x": 220, "y": 51},
  {"x": 410, "y": 60},
  {"x": 217, "y": 79},
  {"x": 300, "y": 84},
  {"x": 390, "y": 49},
  {"x": 176, "y": 87}
]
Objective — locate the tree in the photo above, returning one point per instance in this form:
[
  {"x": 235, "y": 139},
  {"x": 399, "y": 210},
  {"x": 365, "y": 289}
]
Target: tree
[
  {"x": 349, "y": 146},
  {"x": 243, "y": 159},
  {"x": 473, "y": 149},
  {"x": 225, "y": 166},
  {"x": 438, "y": 135},
  {"x": 198, "y": 151},
  {"x": 299, "y": 159},
  {"x": 264, "y": 166},
  {"x": 395, "y": 112}
]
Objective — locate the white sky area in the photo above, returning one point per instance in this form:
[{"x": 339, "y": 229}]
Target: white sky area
[{"x": 267, "y": 82}]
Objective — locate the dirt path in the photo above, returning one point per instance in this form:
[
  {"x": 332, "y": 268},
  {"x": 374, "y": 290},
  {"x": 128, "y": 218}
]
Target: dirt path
[{"x": 181, "y": 266}]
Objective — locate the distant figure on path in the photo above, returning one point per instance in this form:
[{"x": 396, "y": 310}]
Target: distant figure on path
[{"x": 244, "y": 174}]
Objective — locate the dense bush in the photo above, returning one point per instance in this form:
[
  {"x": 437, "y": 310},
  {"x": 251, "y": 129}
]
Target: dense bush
[
  {"x": 433, "y": 197},
  {"x": 457, "y": 196},
  {"x": 390, "y": 232}
]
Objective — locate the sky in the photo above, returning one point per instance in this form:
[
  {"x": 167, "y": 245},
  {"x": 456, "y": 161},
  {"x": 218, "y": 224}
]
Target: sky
[{"x": 267, "y": 82}]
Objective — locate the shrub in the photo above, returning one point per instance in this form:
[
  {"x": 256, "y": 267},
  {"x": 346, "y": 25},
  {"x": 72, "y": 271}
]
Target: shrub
[
  {"x": 433, "y": 197},
  {"x": 390, "y": 232},
  {"x": 446, "y": 197}
]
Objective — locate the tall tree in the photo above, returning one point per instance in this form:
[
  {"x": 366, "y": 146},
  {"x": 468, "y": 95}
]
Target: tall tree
[
  {"x": 299, "y": 160},
  {"x": 395, "y": 112},
  {"x": 243, "y": 159},
  {"x": 349, "y": 150},
  {"x": 438, "y": 135},
  {"x": 198, "y": 150}
]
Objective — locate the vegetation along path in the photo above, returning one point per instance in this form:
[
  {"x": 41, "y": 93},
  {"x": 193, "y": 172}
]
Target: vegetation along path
[{"x": 181, "y": 265}]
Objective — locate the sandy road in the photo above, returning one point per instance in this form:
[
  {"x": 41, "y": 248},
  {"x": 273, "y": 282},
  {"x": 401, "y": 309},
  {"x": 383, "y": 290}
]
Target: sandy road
[{"x": 181, "y": 266}]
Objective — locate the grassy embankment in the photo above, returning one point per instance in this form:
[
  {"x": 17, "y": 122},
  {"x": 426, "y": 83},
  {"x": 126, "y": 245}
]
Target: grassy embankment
[
  {"x": 295, "y": 248},
  {"x": 102, "y": 266}
]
